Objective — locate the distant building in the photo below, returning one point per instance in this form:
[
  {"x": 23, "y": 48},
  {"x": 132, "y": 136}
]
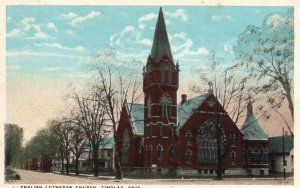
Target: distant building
[
  {"x": 163, "y": 136},
  {"x": 105, "y": 159},
  {"x": 276, "y": 153}
]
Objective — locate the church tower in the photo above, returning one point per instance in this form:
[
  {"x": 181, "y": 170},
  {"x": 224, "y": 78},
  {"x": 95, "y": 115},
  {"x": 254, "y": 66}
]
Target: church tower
[{"x": 160, "y": 85}]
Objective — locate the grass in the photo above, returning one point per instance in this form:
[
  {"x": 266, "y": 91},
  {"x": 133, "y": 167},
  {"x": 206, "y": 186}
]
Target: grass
[{"x": 11, "y": 174}]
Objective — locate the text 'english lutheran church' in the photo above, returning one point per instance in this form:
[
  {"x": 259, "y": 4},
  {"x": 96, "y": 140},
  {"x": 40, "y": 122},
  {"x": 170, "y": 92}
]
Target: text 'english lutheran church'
[{"x": 190, "y": 137}]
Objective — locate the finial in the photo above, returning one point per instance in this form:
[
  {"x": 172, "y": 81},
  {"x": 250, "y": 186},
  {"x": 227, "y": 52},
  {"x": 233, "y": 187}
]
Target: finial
[
  {"x": 249, "y": 106},
  {"x": 210, "y": 87}
]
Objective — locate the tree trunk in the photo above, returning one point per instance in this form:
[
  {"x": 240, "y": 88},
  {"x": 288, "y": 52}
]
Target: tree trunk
[
  {"x": 77, "y": 165},
  {"x": 95, "y": 160},
  {"x": 291, "y": 104},
  {"x": 62, "y": 161},
  {"x": 219, "y": 154},
  {"x": 68, "y": 163},
  {"x": 118, "y": 166}
]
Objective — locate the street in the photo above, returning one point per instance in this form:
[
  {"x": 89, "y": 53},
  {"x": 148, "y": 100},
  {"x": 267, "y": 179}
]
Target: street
[{"x": 33, "y": 177}]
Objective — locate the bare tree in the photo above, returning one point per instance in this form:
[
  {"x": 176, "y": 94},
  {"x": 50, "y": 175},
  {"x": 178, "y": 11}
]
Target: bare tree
[
  {"x": 231, "y": 91},
  {"x": 75, "y": 139},
  {"x": 229, "y": 87},
  {"x": 118, "y": 88},
  {"x": 91, "y": 117}
]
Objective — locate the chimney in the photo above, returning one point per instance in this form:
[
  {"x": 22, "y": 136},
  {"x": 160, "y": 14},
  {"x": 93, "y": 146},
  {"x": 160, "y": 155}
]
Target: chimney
[{"x": 183, "y": 98}]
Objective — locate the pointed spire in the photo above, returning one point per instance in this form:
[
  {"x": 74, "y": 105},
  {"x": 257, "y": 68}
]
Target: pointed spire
[{"x": 160, "y": 46}]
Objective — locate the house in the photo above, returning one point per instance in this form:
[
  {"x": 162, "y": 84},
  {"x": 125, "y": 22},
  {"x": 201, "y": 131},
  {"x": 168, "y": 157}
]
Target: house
[
  {"x": 105, "y": 160},
  {"x": 276, "y": 153},
  {"x": 193, "y": 137}
]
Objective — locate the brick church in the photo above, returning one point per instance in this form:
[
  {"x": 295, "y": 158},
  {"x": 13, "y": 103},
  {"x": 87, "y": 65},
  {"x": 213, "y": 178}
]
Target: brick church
[{"x": 189, "y": 137}]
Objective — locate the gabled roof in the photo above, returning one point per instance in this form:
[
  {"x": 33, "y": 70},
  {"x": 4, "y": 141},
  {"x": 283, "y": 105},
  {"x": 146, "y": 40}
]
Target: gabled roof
[
  {"x": 161, "y": 45},
  {"x": 276, "y": 144},
  {"x": 106, "y": 143},
  {"x": 136, "y": 113},
  {"x": 251, "y": 128},
  {"x": 185, "y": 110}
]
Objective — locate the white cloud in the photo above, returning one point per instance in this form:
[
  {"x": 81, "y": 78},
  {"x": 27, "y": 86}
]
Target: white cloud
[
  {"x": 52, "y": 26},
  {"x": 128, "y": 28},
  {"x": 70, "y": 16},
  {"x": 181, "y": 13},
  {"x": 145, "y": 18},
  {"x": 57, "y": 69},
  {"x": 129, "y": 35},
  {"x": 13, "y": 67},
  {"x": 39, "y": 35},
  {"x": 29, "y": 53},
  {"x": 276, "y": 20},
  {"x": 219, "y": 18},
  {"x": 76, "y": 19},
  {"x": 14, "y": 33},
  {"x": 31, "y": 25},
  {"x": 186, "y": 50},
  {"x": 228, "y": 48},
  {"x": 181, "y": 35},
  {"x": 60, "y": 46}
]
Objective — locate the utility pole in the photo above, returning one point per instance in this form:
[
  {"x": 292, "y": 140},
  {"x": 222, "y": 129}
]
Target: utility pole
[{"x": 283, "y": 152}]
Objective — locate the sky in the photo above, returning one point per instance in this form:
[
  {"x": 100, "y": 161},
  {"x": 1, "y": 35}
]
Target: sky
[{"x": 50, "y": 47}]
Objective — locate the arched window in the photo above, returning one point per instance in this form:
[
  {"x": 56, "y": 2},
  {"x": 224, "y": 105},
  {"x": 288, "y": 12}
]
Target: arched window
[
  {"x": 149, "y": 106},
  {"x": 233, "y": 157},
  {"x": 166, "y": 103},
  {"x": 159, "y": 152},
  {"x": 233, "y": 139},
  {"x": 188, "y": 137},
  {"x": 171, "y": 130},
  {"x": 168, "y": 72},
  {"x": 189, "y": 155},
  {"x": 125, "y": 146},
  {"x": 256, "y": 156},
  {"x": 141, "y": 149},
  {"x": 207, "y": 142},
  {"x": 160, "y": 129},
  {"x": 262, "y": 155},
  {"x": 172, "y": 153},
  {"x": 249, "y": 155},
  {"x": 149, "y": 153}
]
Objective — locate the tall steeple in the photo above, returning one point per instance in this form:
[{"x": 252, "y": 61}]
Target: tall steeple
[{"x": 160, "y": 46}]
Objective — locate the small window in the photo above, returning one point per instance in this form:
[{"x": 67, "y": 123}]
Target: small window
[
  {"x": 160, "y": 129},
  {"x": 159, "y": 152},
  {"x": 233, "y": 157},
  {"x": 172, "y": 153}
]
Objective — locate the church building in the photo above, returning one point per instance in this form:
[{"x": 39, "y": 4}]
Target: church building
[{"x": 188, "y": 137}]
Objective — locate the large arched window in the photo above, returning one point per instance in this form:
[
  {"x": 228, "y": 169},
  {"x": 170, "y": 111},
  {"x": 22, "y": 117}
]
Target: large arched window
[
  {"x": 207, "y": 142},
  {"x": 149, "y": 106},
  {"x": 125, "y": 146},
  {"x": 159, "y": 152},
  {"x": 189, "y": 155},
  {"x": 166, "y": 103}
]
